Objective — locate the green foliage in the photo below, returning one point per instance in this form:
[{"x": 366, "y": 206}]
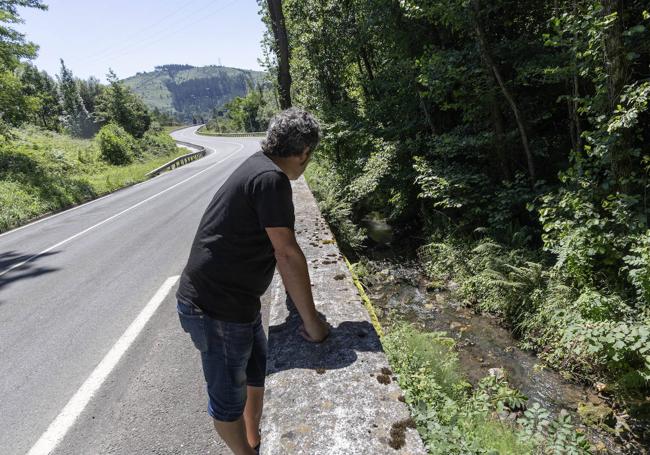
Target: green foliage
[
  {"x": 13, "y": 106},
  {"x": 118, "y": 104},
  {"x": 454, "y": 419},
  {"x": 250, "y": 113},
  {"x": 637, "y": 265},
  {"x": 39, "y": 91},
  {"x": 586, "y": 331},
  {"x": 338, "y": 212},
  {"x": 13, "y": 46},
  {"x": 76, "y": 119},
  {"x": 614, "y": 347},
  {"x": 510, "y": 138},
  {"x": 157, "y": 143},
  {"x": 39, "y": 172},
  {"x": 116, "y": 145},
  {"x": 557, "y": 436}
]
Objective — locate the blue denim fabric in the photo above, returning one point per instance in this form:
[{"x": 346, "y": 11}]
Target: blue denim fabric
[{"x": 233, "y": 355}]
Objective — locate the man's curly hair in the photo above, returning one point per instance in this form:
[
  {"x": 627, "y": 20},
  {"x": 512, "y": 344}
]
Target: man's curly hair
[{"x": 290, "y": 132}]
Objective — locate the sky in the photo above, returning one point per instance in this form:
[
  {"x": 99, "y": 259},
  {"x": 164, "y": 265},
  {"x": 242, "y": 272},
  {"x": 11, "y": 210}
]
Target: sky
[{"x": 133, "y": 36}]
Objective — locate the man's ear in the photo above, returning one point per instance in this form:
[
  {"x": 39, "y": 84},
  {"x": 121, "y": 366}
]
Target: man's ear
[{"x": 305, "y": 155}]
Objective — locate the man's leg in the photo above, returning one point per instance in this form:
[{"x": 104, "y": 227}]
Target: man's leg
[
  {"x": 256, "y": 375},
  {"x": 253, "y": 414},
  {"x": 234, "y": 435},
  {"x": 225, "y": 364}
]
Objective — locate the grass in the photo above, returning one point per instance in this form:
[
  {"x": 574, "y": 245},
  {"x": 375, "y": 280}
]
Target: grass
[
  {"x": 448, "y": 416},
  {"x": 170, "y": 129},
  {"x": 42, "y": 172},
  {"x": 454, "y": 418},
  {"x": 207, "y": 132}
]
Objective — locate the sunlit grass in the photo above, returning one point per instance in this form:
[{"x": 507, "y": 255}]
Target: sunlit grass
[{"x": 42, "y": 172}]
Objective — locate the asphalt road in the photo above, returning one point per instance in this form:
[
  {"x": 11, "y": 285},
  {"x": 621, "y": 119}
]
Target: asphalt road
[{"x": 89, "y": 274}]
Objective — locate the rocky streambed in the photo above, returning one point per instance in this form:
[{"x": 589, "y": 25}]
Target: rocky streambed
[{"x": 402, "y": 292}]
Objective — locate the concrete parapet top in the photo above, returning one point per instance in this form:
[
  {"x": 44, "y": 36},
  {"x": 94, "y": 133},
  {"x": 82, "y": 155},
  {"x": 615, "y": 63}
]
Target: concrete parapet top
[{"x": 330, "y": 398}]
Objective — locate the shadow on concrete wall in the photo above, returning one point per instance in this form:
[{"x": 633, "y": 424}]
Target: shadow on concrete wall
[{"x": 288, "y": 350}]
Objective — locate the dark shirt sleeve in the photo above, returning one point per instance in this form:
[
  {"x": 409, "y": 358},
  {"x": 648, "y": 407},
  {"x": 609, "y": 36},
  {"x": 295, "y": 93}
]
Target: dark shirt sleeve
[{"x": 272, "y": 199}]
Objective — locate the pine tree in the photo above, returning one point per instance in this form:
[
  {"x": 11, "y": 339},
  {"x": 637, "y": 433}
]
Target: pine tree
[{"x": 75, "y": 117}]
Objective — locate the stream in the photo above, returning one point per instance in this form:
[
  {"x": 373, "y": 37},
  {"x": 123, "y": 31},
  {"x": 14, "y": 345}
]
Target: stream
[{"x": 400, "y": 292}]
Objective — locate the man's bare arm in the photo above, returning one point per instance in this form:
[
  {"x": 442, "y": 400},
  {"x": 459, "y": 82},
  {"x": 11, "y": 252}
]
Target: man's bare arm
[{"x": 295, "y": 276}]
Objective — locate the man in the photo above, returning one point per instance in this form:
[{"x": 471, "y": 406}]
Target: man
[{"x": 246, "y": 230}]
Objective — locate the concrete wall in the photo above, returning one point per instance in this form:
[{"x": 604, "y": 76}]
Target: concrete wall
[{"x": 338, "y": 397}]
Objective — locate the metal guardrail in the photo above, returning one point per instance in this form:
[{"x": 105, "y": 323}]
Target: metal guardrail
[
  {"x": 253, "y": 134},
  {"x": 181, "y": 160}
]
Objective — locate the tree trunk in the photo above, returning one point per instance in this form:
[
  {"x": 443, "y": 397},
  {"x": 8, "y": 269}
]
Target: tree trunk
[
  {"x": 573, "y": 108},
  {"x": 427, "y": 117},
  {"x": 282, "y": 51},
  {"x": 366, "y": 63},
  {"x": 499, "y": 130},
  {"x": 485, "y": 54},
  {"x": 617, "y": 72}
]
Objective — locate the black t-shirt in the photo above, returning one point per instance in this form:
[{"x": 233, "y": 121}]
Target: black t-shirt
[{"x": 231, "y": 261}]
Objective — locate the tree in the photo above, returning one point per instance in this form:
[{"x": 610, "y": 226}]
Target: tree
[
  {"x": 75, "y": 117},
  {"x": 486, "y": 55},
  {"x": 118, "y": 104},
  {"x": 281, "y": 47},
  {"x": 40, "y": 91},
  {"x": 13, "y": 48},
  {"x": 90, "y": 89}
]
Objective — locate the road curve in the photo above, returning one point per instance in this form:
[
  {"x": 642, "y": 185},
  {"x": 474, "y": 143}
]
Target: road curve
[{"x": 70, "y": 286}]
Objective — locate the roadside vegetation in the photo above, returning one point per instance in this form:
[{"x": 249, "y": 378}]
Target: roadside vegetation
[
  {"x": 506, "y": 146},
  {"x": 64, "y": 141},
  {"x": 453, "y": 418},
  {"x": 45, "y": 171},
  {"x": 249, "y": 113}
]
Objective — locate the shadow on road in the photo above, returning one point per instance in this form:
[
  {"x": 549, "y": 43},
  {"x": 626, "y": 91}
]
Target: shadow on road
[
  {"x": 26, "y": 271},
  {"x": 288, "y": 350}
]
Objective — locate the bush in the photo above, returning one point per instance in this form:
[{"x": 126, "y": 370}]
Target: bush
[
  {"x": 329, "y": 190},
  {"x": 637, "y": 267},
  {"x": 157, "y": 143},
  {"x": 116, "y": 145}
]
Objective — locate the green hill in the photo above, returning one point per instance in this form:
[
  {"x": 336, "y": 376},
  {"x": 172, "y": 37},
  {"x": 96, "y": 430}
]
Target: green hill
[{"x": 185, "y": 91}]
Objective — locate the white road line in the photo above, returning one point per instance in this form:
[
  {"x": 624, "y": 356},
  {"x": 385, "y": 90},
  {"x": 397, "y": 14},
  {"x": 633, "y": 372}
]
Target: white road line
[
  {"x": 67, "y": 417},
  {"x": 15, "y": 266}
]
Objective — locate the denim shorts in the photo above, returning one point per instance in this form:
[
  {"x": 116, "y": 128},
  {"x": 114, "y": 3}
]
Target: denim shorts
[{"x": 233, "y": 355}]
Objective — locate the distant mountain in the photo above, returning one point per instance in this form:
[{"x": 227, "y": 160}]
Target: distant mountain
[{"x": 185, "y": 91}]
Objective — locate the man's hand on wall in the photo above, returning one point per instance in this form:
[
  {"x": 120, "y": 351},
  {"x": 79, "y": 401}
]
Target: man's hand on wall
[{"x": 315, "y": 332}]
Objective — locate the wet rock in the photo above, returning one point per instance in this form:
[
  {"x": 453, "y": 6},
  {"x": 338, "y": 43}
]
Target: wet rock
[
  {"x": 434, "y": 285},
  {"x": 601, "y": 387},
  {"x": 455, "y": 325},
  {"x": 596, "y": 415},
  {"x": 497, "y": 373}
]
